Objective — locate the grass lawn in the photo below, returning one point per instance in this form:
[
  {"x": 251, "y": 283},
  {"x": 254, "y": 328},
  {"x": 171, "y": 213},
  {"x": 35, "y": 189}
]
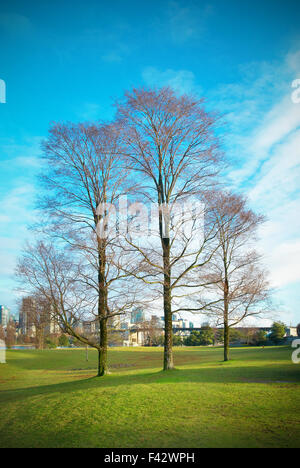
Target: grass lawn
[{"x": 52, "y": 399}]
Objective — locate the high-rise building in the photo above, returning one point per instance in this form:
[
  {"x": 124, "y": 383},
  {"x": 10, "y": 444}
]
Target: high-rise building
[
  {"x": 4, "y": 315},
  {"x": 137, "y": 315},
  {"x": 36, "y": 315},
  {"x": 90, "y": 326},
  {"x": 25, "y": 315}
]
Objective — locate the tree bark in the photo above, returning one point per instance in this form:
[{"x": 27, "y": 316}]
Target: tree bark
[
  {"x": 226, "y": 341},
  {"x": 102, "y": 352},
  {"x": 226, "y": 324},
  {"x": 168, "y": 351},
  {"x": 102, "y": 311}
]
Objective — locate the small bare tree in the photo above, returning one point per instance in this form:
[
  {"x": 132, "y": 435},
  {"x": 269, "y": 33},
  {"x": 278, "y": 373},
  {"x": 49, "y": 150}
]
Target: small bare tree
[
  {"x": 171, "y": 145},
  {"x": 151, "y": 330},
  {"x": 55, "y": 275},
  {"x": 236, "y": 285},
  {"x": 51, "y": 276},
  {"x": 38, "y": 318},
  {"x": 11, "y": 334}
]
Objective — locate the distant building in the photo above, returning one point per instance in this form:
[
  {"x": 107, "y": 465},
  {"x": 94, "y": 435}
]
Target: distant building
[
  {"x": 155, "y": 321},
  {"x": 90, "y": 326},
  {"x": 25, "y": 316},
  {"x": 35, "y": 314},
  {"x": 4, "y": 316},
  {"x": 124, "y": 326},
  {"x": 114, "y": 322},
  {"x": 137, "y": 315},
  {"x": 291, "y": 331},
  {"x": 178, "y": 322}
]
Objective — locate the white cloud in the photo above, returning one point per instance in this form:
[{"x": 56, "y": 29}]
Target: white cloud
[
  {"x": 265, "y": 145},
  {"x": 19, "y": 165},
  {"x": 293, "y": 61},
  {"x": 279, "y": 176},
  {"x": 283, "y": 119},
  {"x": 285, "y": 261},
  {"x": 16, "y": 214}
]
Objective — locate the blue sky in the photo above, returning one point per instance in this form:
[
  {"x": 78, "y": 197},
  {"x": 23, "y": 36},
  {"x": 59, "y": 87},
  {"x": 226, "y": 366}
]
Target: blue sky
[{"x": 70, "y": 60}]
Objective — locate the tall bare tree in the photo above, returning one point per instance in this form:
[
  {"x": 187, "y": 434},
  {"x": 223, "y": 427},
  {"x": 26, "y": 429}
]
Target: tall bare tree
[
  {"x": 84, "y": 177},
  {"x": 171, "y": 143}
]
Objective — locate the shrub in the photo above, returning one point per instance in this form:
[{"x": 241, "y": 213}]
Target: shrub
[
  {"x": 277, "y": 332},
  {"x": 50, "y": 344},
  {"x": 63, "y": 340}
]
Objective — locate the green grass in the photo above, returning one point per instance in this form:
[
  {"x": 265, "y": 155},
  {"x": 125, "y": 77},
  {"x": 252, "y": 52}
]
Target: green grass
[{"x": 52, "y": 399}]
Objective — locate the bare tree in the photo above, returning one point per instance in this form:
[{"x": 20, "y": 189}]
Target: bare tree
[
  {"x": 151, "y": 330},
  {"x": 51, "y": 276},
  {"x": 171, "y": 144},
  {"x": 236, "y": 285},
  {"x": 57, "y": 277},
  {"x": 38, "y": 318},
  {"x": 11, "y": 334},
  {"x": 84, "y": 177}
]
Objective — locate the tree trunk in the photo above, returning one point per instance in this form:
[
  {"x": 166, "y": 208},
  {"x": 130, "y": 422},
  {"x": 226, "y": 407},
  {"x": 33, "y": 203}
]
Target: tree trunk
[
  {"x": 102, "y": 311},
  {"x": 164, "y": 232},
  {"x": 168, "y": 351},
  {"x": 226, "y": 341},
  {"x": 102, "y": 352},
  {"x": 226, "y": 324}
]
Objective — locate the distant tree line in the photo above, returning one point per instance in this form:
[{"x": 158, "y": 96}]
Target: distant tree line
[{"x": 209, "y": 336}]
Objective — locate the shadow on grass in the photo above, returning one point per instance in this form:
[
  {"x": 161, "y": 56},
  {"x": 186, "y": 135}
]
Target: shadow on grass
[{"x": 274, "y": 374}]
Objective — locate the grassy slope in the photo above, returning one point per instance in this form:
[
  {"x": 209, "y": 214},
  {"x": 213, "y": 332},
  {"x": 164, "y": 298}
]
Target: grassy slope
[{"x": 50, "y": 398}]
